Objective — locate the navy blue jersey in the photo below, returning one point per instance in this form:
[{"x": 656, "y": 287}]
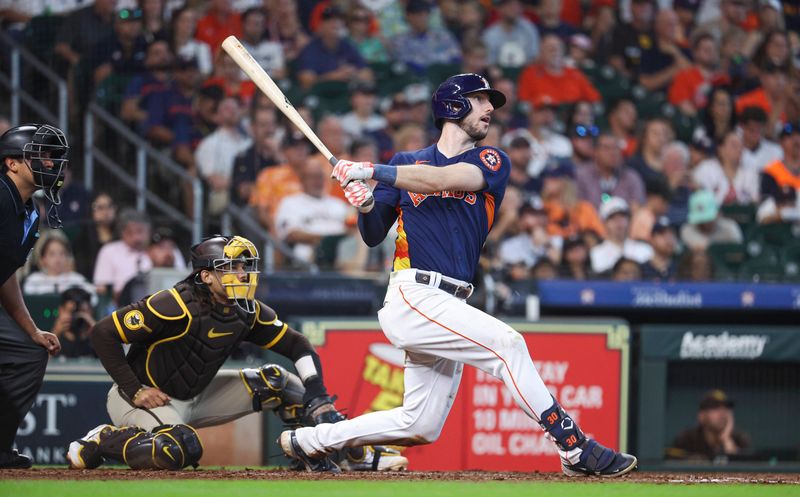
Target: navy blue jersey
[{"x": 445, "y": 231}]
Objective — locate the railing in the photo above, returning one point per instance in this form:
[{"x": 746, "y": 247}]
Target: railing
[{"x": 13, "y": 82}]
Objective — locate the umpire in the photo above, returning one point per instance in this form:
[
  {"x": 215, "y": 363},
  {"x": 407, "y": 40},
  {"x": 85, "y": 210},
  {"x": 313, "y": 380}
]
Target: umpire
[{"x": 34, "y": 157}]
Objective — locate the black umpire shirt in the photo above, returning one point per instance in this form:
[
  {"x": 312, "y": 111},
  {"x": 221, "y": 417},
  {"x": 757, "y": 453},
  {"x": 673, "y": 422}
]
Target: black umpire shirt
[{"x": 19, "y": 228}]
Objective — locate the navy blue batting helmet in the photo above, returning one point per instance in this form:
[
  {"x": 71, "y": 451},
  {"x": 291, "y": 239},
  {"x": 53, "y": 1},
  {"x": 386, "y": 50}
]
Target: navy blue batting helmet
[{"x": 450, "y": 99}]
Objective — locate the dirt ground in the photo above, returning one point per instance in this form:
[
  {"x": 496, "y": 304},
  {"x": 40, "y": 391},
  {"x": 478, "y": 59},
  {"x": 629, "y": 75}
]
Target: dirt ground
[{"x": 266, "y": 474}]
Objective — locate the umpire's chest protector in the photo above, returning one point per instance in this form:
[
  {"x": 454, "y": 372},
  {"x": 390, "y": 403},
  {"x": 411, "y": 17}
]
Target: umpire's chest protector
[{"x": 183, "y": 361}]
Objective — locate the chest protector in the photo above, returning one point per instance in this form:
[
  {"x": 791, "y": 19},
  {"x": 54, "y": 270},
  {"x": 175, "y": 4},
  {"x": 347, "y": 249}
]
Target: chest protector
[{"x": 198, "y": 337}]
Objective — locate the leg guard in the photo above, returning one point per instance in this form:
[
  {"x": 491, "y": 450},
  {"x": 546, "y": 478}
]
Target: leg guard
[
  {"x": 170, "y": 447},
  {"x": 273, "y": 387}
]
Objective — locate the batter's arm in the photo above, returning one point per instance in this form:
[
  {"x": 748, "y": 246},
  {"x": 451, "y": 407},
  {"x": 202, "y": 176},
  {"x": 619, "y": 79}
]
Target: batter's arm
[
  {"x": 375, "y": 224},
  {"x": 418, "y": 178}
]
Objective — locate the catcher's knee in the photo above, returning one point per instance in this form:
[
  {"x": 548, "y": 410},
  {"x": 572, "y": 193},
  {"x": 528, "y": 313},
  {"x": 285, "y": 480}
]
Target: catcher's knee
[
  {"x": 273, "y": 387},
  {"x": 169, "y": 447}
]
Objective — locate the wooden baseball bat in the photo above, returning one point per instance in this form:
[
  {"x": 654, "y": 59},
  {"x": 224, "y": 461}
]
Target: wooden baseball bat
[{"x": 243, "y": 59}]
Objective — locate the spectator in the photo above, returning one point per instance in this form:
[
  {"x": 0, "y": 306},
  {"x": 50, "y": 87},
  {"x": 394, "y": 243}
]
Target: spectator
[
  {"x": 74, "y": 323},
  {"x": 600, "y": 24},
  {"x": 675, "y": 162},
  {"x": 360, "y": 27},
  {"x": 83, "y": 30},
  {"x": 550, "y": 22},
  {"x": 304, "y": 219},
  {"x": 575, "y": 262},
  {"x": 581, "y": 113},
  {"x": 189, "y": 134},
  {"x": 56, "y": 269},
  {"x": 724, "y": 175},
  {"x": 622, "y": 117},
  {"x": 616, "y": 215},
  {"x": 268, "y": 53},
  {"x": 263, "y": 153},
  {"x": 120, "y": 57},
  {"x": 544, "y": 270},
  {"x": 98, "y": 231},
  {"x": 567, "y": 214},
  {"x": 609, "y": 176},
  {"x": 422, "y": 45},
  {"x": 183, "y": 42},
  {"x": 410, "y": 137},
  {"x": 550, "y": 76},
  {"x": 700, "y": 148},
  {"x": 732, "y": 16},
  {"x": 229, "y": 76},
  {"x": 519, "y": 254},
  {"x": 332, "y": 134},
  {"x": 579, "y": 53},
  {"x": 695, "y": 266},
  {"x": 547, "y": 145},
  {"x": 689, "y": 89},
  {"x": 275, "y": 183},
  {"x": 169, "y": 110},
  {"x": 662, "y": 266},
  {"x": 626, "y": 270},
  {"x": 512, "y": 41},
  {"x": 283, "y": 26},
  {"x": 158, "y": 64},
  {"x": 775, "y": 49},
  {"x": 163, "y": 251},
  {"x": 630, "y": 39},
  {"x": 509, "y": 116},
  {"x": 687, "y": 13},
  {"x": 153, "y": 25},
  {"x": 475, "y": 59},
  {"x": 758, "y": 152},
  {"x": 216, "y": 153},
  {"x": 74, "y": 210},
  {"x": 219, "y": 22},
  {"x": 774, "y": 95},
  {"x": 780, "y": 177},
  {"x": 362, "y": 119},
  {"x": 666, "y": 57},
  {"x": 329, "y": 57},
  {"x": 519, "y": 152},
  {"x": 718, "y": 119},
  {"x": 714, "y": 435},
  {"x": 656, "y": 134},
  {"x": 705, "y": 226},
  {"x": 119, "y": 261},
  {"x": 656, "y": 206}
]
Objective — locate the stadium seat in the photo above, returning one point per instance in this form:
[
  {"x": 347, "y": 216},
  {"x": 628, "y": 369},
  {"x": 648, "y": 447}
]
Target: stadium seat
[
  {"x": 611, "y": 84},
  {"x": 391, "y": 77},
  {"x": 763, "y": 269},
  {"x": 648, "y": 104},
  {"x": 436, "y": 73},
  {"x": 769, "y": 237},
  {"x": 328, "y": 97},
  {"x": 744, "y": 215},
  {"x": 728, "y": 259}
]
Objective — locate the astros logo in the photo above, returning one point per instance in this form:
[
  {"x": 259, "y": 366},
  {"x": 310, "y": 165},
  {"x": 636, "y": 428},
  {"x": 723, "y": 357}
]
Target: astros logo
[{"x": 491, "y": 159}]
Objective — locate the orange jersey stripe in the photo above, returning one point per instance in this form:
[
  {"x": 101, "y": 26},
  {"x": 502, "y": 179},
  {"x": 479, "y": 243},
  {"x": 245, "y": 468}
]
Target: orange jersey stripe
[
  {"x": 488, "y": 198},
  {"x": 401, "y": 259}
]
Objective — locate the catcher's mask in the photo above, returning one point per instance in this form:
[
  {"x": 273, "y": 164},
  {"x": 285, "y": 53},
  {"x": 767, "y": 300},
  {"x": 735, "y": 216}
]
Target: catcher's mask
[
  {"x": 44, "y": 149},
  {"x": 230, "y": 258}
]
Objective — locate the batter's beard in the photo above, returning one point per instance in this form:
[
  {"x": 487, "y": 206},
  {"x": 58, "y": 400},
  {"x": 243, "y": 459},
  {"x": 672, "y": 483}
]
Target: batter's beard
[{"x": 473, "y": 131}]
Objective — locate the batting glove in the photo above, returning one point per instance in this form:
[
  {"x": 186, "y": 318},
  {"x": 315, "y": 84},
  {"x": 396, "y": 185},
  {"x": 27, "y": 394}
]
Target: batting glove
[
  {"x": 360, "y": 196},
  {"x": 346, "y": 171}
]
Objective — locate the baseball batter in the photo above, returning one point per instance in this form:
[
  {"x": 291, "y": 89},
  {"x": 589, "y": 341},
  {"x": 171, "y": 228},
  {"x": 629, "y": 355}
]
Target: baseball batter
[
  {"x": 170, "y": 382},
  {"x": 444, "y": 200}
]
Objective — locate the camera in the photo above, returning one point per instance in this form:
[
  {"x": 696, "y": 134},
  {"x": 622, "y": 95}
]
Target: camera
[{"x": 78, "y": 324}]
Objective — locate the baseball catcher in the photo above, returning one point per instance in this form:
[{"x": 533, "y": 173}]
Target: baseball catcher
[{"x": 170, "y": 381}]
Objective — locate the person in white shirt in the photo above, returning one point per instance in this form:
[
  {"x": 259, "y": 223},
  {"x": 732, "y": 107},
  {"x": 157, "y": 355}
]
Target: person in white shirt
[
  {"x": 304, "y": 219},
  {"x": 520, "y": 253},
  {"x": 268, "y": 54},
  {"x": 513, "y": 41},
  {"x": 56, "y": 269},
  {"x": 758, "y": 151},
  {"x": 183, "y": 42},
  {"x": 616, "y": 215},
  {"x": 216, "y": 153},
  {"x": 724, "y": 175},
  {"x": 363, "y": 118}
]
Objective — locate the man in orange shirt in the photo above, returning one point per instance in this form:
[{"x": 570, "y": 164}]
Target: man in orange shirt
[
  {"x": 274, "y": 183},
  {"x": 689, "y": 89},
  {"x": 773, "y": 95},
  {"x": 219, "y": 22},
  {"x": 549, "y": 76}
]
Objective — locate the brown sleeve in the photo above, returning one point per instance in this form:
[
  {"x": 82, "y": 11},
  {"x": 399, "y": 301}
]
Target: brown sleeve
[
  {"x": 108, "y": 346},
  {"x": 145, "y": 321},
  {"x": 267, "y": 330}
]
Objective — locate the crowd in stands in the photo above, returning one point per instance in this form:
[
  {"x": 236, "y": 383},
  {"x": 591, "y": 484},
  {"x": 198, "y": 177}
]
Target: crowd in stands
[{"x": 649, "y": 139}]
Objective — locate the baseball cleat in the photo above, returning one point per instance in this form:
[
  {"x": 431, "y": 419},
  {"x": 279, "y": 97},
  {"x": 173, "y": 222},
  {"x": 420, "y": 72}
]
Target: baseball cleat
[
  {"x": 373, "y": 458},
  {"x": 84, "y": 453},
  {"x": 290, "y": 447},
  {"x": 14, "y": 460},
  {"x": 596, "y": 460}
]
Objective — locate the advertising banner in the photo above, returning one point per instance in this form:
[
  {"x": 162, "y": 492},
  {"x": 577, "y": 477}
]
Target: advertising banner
[{"x": 583, "y": 363}]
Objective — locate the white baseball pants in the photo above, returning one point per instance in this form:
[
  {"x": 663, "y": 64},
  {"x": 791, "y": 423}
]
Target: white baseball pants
[{"x": 438, "y": 332}]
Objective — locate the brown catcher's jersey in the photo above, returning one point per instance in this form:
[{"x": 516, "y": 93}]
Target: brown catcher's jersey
[{"x": 178, "y": 342}]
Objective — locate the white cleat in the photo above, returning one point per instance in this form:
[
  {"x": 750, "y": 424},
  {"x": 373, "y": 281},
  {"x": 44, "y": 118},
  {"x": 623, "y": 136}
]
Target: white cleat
[{"x": 84, "y": 453}]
